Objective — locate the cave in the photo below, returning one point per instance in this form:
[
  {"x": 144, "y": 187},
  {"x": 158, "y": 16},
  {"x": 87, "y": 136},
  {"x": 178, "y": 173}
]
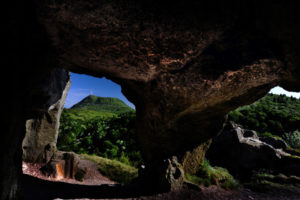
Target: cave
[{"x": 184, "y": 65}]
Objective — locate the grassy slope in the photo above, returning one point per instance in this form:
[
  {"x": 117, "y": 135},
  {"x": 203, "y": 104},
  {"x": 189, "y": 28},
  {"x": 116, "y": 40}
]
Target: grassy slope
[
  {"x": 113, "y": 169},
  {"x": 208, "y": 175},
  {"x": 102, "y": 104},
  {"x": 94, "y": 107},
  {"x": 83, "y": 114}
]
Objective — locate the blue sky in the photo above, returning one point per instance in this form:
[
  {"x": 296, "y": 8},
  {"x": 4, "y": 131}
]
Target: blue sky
[{"x": 84, "y": 85}]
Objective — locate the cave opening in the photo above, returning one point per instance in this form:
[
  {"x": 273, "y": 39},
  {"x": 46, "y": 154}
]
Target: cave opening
[
  {"x": 94, "y": 142},
  {"x": 187, "y": 66},
  {"x": 260, "y": 143}
]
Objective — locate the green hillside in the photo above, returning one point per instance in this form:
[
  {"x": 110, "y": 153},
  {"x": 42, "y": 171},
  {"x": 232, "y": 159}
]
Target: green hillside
[
  {"x": 83, "y": 114},
  {"x": 103, "y": 105},
  {"x": 101, "y": 126},
  {"x": 276, "y": 114}
]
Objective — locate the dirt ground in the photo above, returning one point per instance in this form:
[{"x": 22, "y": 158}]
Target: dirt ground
[{"x": 92, "y": 176}]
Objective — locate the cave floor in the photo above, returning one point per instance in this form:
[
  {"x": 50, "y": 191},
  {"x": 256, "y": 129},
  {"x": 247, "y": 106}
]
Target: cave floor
[
  {"x": 47, "y": 190},
  {"x": 92, "y": 176},
  {"x": 96, "y": 186},
  {"x": 216, "y": 193}
]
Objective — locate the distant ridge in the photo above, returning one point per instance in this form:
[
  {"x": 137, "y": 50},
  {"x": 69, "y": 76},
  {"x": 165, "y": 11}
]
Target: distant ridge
[{"x": 103, "y": 104}]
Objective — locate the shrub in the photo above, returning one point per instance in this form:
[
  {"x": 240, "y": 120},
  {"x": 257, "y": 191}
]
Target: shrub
[
  {"x": 267, "y": 134},
  {"x": 293, "y": 139},
  {"x": 110, "y": 137},
  {"x": 208, "y": 175}
]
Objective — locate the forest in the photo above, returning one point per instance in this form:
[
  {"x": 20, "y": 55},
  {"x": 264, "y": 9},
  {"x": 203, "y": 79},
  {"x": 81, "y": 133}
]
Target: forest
[{"x": 272, "y": 116}]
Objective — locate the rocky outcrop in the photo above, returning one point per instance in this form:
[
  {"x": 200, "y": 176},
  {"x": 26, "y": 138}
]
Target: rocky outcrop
[
  {"x": 241, "y": 154},
  {"x": 184, "y": 64},
  {"x": 39, "y": 143},
  {"x": 192, "y": 160}
]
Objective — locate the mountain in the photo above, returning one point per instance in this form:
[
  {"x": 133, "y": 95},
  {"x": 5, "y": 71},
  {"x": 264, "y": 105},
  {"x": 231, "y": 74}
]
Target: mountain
[{"x": 102, "y": 104}]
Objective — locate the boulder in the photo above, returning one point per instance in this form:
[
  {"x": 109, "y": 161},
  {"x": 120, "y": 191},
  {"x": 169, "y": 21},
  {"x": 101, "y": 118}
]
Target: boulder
[{"x": 242, "y": 155}]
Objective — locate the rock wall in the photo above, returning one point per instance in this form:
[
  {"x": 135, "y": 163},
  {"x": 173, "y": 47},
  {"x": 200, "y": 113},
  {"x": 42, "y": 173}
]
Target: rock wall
[
  {"x": 184, "y": 64},
  {"x": 242, "y": 152},
  {"x": 40, "y": 140}
]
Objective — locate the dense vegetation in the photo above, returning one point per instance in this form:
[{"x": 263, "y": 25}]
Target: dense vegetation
[
  {"x": 84, "y": 115},
  {"x": 85, "y": 130},
  {"x": 293, "y": 139},
  {"x": 272, "y": 115}
]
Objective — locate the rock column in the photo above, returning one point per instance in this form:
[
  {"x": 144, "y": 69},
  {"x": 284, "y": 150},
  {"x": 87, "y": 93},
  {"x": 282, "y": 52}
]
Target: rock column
[{"x": 40, "y": 140}]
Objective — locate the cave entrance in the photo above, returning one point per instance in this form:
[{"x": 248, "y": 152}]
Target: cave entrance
[
  {"x": 261, "y": 141},
  {"x": 95, "y": 142}
]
